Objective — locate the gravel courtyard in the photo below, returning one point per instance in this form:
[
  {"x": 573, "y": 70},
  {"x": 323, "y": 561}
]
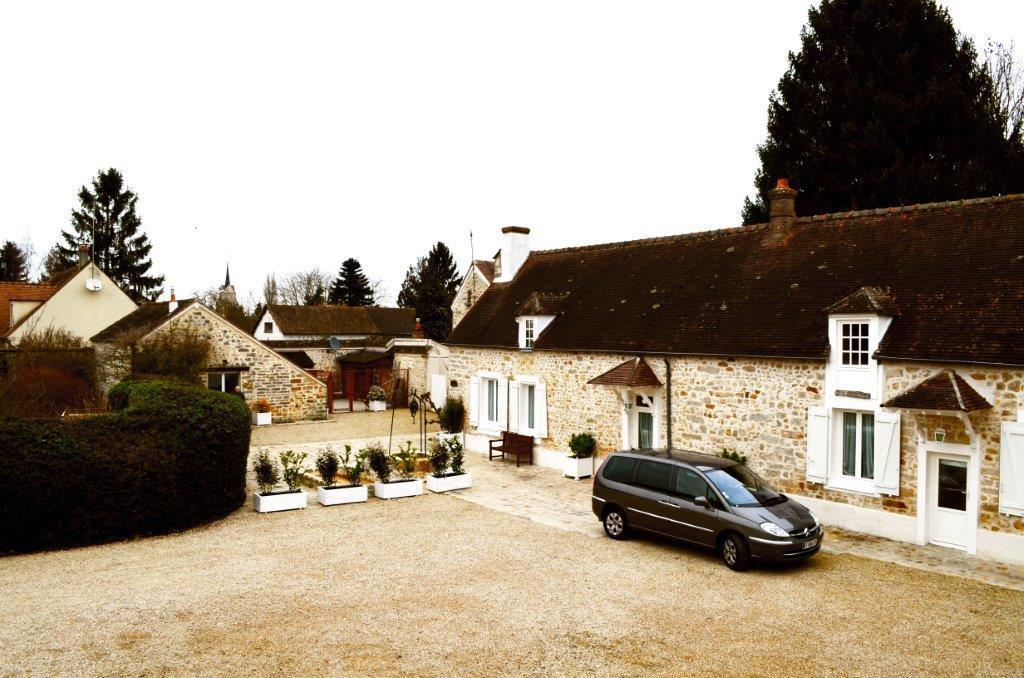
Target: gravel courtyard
[{"x": 434, "y": 585}]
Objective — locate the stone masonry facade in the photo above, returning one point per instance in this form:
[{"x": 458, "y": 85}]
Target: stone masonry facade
[
  {"x": 468, "y": 294},
  {"x": 752, "y": 406}
]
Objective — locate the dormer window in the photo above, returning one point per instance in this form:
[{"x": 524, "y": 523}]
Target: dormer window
[
  {"x": 268, "y": 327},
  {"x": 854, "y": 343},
  {"x": 528, "y": 327}
]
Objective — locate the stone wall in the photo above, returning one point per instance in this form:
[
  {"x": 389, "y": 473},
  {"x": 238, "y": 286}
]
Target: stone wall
[
  {"x": 756, "y": 407},
  {"x": 416, "y": 364},
  {"x": 468, "y": 294}
]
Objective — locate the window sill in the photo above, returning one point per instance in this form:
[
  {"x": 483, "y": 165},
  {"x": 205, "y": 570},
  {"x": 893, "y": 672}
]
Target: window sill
[{"x": 864, "y": 487}]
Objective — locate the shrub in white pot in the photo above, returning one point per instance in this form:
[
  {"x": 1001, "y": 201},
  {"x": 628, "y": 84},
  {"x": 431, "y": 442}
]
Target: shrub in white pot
[
  {"x": 383, "y": 464},
  {"x": 328, "y": 465},
  {"x": 267, "y": 500},
  {"x": 580, "y": 462},
  {"x": 451, "y": 417},
  {"x": 446, "y": 466},
  {"x": 261, "y": 413},
  {"x": 376, "y": 399}
]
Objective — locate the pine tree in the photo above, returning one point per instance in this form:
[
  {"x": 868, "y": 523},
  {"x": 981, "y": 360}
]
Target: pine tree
[
  {"x": 430, "y": 287},
  {"x": 52, "y": 263},
  {"x": 13, "y": 263},
  {"x": 351, "y": 287},
  {"x": 884, "y": 105},
  {"x": 107, "y": 218}
]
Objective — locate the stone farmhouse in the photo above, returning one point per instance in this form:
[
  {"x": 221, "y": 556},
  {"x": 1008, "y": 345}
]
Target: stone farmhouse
[
  {"x": 237, "y": 361},
  {"x": 869, "y": 363}
]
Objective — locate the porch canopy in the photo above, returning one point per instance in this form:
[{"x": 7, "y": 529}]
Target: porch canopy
[
  {"x": 946, "y": 391},
  {"x": 635, "y": 373}
]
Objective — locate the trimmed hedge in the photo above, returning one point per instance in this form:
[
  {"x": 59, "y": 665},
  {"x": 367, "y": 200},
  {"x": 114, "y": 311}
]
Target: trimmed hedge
[{"x": 172, "y": 456}]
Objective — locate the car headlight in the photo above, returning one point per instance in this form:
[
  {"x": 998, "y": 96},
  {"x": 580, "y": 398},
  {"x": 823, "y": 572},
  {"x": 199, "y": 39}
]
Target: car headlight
[{"x": 773, "y": 529}]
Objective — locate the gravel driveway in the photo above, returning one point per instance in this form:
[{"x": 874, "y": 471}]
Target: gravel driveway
[
  {"x": 340, "y": 427},
  {"x": 433, "y": 585}
]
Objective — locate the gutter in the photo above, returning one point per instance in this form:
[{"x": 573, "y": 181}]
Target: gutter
[{"x": 668, "y": 401}]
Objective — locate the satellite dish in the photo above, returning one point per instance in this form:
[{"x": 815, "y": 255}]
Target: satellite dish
[{"x": 93, "y": 284}]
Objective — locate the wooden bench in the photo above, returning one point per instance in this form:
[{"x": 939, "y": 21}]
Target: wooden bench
[{"x": 511, "y": 443}]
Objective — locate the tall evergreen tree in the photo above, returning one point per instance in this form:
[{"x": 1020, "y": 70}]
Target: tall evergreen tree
[
  {"x": 430, "y": 287},
  {"x": 53, "y": 262},
  {"x": 107, "y": 218},
  {"x": 13, "y": 263},
  {"x": 884, "y": 105},
  {"x": 351, "y": 287}
]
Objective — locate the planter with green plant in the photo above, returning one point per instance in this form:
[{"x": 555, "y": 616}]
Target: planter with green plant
[
  {"x": 329, "y": 466},
  {"x": 580, "y": 462},
  {"x": 384, "y": 465},
  {"x": 376, "y": 399},
  {"x": 451, "y": 418},
  {"x": 261, "y": 413},
  {"x": 446, "y": 466},
  {"x": 268, "y": 475}
]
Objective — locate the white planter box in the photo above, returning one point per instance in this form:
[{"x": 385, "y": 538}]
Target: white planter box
[
  {"x": 459, "y": 482},
  {"x": 341, "y": 495},
  {"x": 377, "y": 406},
  {"x": 262, "y": 418},
  {"x": 279, "y": 501},
  {"x": 398, "y": 489},
  {"x": 577, "y": 468}
]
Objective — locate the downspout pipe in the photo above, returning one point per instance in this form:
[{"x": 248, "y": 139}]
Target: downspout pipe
[{"x": 668, "y": 401}]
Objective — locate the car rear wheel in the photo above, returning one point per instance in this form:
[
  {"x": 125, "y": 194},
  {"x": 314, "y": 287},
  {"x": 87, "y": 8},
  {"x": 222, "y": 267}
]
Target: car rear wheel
[
  {"x": 735, "y": 552},
  {"x": 615, "y": 525}
]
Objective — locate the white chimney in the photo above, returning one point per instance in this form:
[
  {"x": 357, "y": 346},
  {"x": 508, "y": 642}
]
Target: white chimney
[
  {"x": 515, "y": 248},
  {"x": 172, "y": 305}
]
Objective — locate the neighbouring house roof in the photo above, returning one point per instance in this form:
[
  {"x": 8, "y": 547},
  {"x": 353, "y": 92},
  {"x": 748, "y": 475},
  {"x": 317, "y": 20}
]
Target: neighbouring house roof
[
  {"x": 23, "y": 291},
  {"x": 316, "y": 342},
  {"x": 300, "y": 358},
  {"x": 866, "y": 300},
  {"x": 364, "y": 356},
  {"x": 633, "y": 373},
  {"x": 326, "y": 320},
  {"x": 486, "y": 268},
  {"x": 945, "y": 391},
  {"x": 956, "y": 270},
  {"x": 141, "y": 321}
]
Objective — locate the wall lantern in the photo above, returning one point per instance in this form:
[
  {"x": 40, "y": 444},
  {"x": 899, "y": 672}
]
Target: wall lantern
[{"x": 940, "y": 435}]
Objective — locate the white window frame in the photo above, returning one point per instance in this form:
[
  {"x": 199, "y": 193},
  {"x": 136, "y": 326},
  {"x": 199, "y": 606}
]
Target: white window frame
[
  {"x": 222, "y": 374},
  {"x": 838, "y": 479},
  {"x": 485, "y": 405},
  {"x": 528, "y": 335},
  {"x": 526, "y": 384},
  {"x": 866, "y": 353}
]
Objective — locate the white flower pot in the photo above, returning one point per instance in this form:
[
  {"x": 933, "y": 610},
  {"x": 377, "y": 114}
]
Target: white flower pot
[
  {"x": 278, "y": 501},
  {"x": 576, "y": 468},
  {"x": 398, "y": 488},
  {"x": 262, "y": 418},
  {"x": 341, "y": 495},
  {"x": 459, "y": 482},
  {"x": 377, "y": 406}
]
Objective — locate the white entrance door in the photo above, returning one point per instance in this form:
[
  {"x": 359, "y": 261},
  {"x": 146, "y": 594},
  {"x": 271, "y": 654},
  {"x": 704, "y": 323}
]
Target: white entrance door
[
  {"x": 948, "y": 499},
  {"x": 642, "y": 430}
]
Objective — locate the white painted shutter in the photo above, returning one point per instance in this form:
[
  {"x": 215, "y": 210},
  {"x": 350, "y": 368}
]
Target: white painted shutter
[
  {"x": 513, "y": 406},
  {"x": 887, "y": 453},
  {"x": 540, "y": 411},
  {"x": 1011, "y": 468},
  {"x": 817, "y": 444},
  {"x": 474, "y": 401},
  {"x": 502, "y": 403}
]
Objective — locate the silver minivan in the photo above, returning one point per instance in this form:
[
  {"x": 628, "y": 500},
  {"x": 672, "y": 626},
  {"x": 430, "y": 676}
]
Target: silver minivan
[{"x": 705, "y": 500}]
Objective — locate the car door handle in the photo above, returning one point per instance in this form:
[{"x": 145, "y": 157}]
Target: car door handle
[{"x": 668, "y": 503}]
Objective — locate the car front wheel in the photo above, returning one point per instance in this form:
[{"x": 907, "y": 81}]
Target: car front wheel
[
  {"x": 735, "y": 552},
  {"x": 615, "y": 525}
]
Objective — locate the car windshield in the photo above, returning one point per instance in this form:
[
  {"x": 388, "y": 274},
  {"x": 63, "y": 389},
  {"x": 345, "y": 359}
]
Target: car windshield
[{"x": 742, "y": 487}]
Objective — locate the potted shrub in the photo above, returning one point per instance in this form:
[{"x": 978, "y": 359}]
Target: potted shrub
[
  {"x": 328, "y": 466},
  {"x": 451, "y": 417},
  {"x": 580, "y": 462},
  {"x": 267, "y": 500},
  {"x": 446, "y": 465},
  {"x": 382, "y": 464},
  {"x": 376, "y": 399},
  {"x": 261, "y": 414}
]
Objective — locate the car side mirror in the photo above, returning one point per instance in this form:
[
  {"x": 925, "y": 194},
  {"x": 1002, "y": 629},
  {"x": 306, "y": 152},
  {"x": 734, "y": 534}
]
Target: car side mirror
[{"x": 702, "y": 502}]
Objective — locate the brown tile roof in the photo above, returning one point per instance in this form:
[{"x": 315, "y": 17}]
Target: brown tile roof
[
  {"x": 141, "y": 321},
  {"x": 19, "y": 291},
  {"x": 866, "y": 300},
  {"x": 945, "y": 391},
  {"x": 365, "y": 356},
  {"x": 632, "y": 373},
  {"x": 542, "y": 304},
  {"x": 486, "y": 268},
  {"x": 335, "y": 319},
  {"x": 318, "y": 342},
  {"x": 955, "y": 269},
  {"x": 299, "y": 359}
]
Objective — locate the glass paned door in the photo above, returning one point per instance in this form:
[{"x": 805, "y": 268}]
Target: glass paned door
[
  {"x": 952, "y": 485},
  {"x": 645, "y": 430}
]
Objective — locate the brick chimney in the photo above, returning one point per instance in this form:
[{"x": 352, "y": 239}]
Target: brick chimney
[
  {"x": 172, "y": 305},
  {"x": 515, "y": 248},
  {"x": 83, "y": 253},
  {"x": 418, "y": 332},
  {"x": 782, "y": 204}
]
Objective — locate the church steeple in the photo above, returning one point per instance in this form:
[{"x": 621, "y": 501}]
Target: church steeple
[
  {"x": 227, "y": 276},
  {"x": 227, "y": 290}
]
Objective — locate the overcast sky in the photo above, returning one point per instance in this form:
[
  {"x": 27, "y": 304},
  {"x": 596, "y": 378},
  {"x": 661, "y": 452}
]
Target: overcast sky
[{"x": 278, "y": 136}]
